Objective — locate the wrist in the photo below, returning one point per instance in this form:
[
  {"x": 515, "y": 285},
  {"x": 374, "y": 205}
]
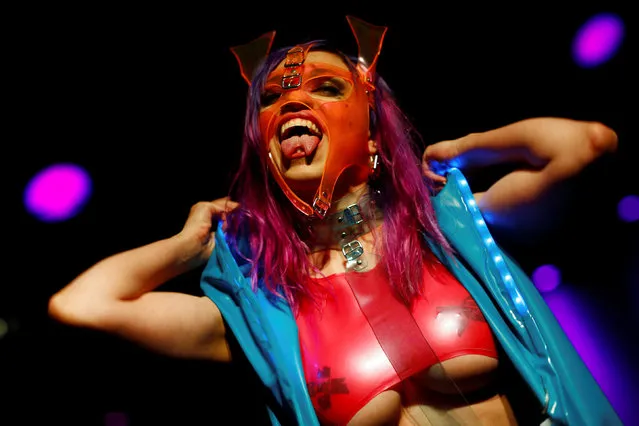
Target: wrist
[{"x": 188, "y": 252}]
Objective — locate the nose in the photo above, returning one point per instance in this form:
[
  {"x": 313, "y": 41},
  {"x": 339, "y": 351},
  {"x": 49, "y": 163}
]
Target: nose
[
  {"x": 294, "y": 106},
  {"x": 296, "y": 99}
]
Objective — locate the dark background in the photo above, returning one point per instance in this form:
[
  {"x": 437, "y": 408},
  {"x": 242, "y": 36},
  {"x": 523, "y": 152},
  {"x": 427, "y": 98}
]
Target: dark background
[{"x": 150, "y": 101}]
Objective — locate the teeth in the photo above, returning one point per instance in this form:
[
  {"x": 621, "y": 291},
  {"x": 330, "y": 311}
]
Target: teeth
[{"x": 299, "y": 122}]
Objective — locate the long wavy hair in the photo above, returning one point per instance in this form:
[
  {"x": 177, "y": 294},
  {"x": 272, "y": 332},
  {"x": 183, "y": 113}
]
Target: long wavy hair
[{"x": 278, "y": 257}]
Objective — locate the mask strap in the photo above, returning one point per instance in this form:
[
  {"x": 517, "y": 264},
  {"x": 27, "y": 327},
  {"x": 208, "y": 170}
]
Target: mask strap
[{"x": 293, "y": 67}]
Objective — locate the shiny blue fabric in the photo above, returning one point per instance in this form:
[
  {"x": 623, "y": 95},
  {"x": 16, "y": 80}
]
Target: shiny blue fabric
[
  {"x": 265, "y": 328},
  {"x": 520, "y": 319}
]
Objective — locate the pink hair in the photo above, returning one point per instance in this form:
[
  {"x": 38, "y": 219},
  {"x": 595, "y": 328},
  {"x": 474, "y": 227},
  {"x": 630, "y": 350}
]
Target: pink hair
[{"x": 279, "y": 257}]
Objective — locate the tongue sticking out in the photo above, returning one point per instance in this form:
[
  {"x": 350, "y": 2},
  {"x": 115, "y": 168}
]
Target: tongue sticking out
[{"x": 299, "y": 146}]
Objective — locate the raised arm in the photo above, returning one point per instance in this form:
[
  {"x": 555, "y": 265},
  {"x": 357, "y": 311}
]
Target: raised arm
[
  {"x": 116, "y": 294},
  {"x": 549, "y": 149}
]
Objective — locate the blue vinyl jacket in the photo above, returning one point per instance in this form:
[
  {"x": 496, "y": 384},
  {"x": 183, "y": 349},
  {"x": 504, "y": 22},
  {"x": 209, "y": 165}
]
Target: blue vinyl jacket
[{"x": 521, "y": 321}]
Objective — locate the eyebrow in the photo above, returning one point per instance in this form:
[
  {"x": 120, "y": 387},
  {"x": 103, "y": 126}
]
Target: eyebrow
[
  {"x": 315, "y": 71},
  {"x": 319, "y": 71}
]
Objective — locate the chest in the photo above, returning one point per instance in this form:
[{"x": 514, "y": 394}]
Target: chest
[{"x": 363, "y": 340}]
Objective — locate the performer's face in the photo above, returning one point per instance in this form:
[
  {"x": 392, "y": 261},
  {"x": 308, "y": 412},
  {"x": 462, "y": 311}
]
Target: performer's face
[{"x": 328, "y": 110}]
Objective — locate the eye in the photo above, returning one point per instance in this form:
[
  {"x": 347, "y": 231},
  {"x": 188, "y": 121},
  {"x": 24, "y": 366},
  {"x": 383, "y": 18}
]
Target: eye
[
  {"x": 330, "y": 88},
  {"x": 269, "y": 98}
]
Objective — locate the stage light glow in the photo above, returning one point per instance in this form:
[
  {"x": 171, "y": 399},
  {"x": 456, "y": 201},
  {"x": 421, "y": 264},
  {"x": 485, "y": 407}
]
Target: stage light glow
[
  {"x": 597, "y": 40},
  {"x": 546, "y": 278},
  {"x": 628, "y": 208},
  {"x": 57, "y": 192}
]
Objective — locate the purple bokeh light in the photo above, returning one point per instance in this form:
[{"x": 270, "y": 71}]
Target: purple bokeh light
[
  {"x": 628, "y": 208},
  {"x": 597, "y": 40},
  {"x": 583, "y": 322},
  {"x": 546, "y": 278},
  {"x": 57, "y": 192}
]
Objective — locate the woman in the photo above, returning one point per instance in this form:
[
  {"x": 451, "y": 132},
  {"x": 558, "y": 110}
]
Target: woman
[{"x": 352, "y": 284}]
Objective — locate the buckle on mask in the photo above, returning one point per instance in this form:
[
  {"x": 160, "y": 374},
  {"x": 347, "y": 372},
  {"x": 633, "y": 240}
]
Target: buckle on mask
[
  {"x": 292, "y": 77},
  {"x": 320, "y": 205}
]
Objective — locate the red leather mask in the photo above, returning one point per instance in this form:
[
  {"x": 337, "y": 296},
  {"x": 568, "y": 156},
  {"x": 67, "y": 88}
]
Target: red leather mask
[{"x": 318, "y": 103}]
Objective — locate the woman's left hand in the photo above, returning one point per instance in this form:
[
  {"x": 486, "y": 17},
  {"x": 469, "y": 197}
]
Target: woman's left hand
[
  {"x": 536, "y": 141},
  {"x": 553, "y": 149}
]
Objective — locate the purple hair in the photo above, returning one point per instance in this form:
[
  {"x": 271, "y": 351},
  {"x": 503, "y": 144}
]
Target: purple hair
[{"x": 277, "y": 254}]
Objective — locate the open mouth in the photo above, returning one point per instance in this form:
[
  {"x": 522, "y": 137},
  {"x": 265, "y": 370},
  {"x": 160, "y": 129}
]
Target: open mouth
[{"x": 299, "y": 139}]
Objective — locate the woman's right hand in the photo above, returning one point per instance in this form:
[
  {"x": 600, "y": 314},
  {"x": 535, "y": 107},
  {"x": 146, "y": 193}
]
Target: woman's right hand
[
  {"x": 199, "y": 230},
  {"x": 116, "y": 294}
]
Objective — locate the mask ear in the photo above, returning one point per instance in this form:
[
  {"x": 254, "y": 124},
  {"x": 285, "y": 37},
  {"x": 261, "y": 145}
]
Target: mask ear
[
  {"x": 369, "y": 43},
  {"x": 250, "y": 55}
]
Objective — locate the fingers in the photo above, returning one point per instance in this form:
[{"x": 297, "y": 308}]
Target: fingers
[
  {"x": 221, "y": 207},
  {"x": 208, "y": 210},
  {"x": 438, "y": 158},
  {"x": 444, "y": 150},
  {"x": 224, "y": 204},
  {"x": 431, "y": 174}
]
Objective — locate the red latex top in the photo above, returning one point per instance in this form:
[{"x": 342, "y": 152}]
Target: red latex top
[{"x": 364, "y": 341}]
